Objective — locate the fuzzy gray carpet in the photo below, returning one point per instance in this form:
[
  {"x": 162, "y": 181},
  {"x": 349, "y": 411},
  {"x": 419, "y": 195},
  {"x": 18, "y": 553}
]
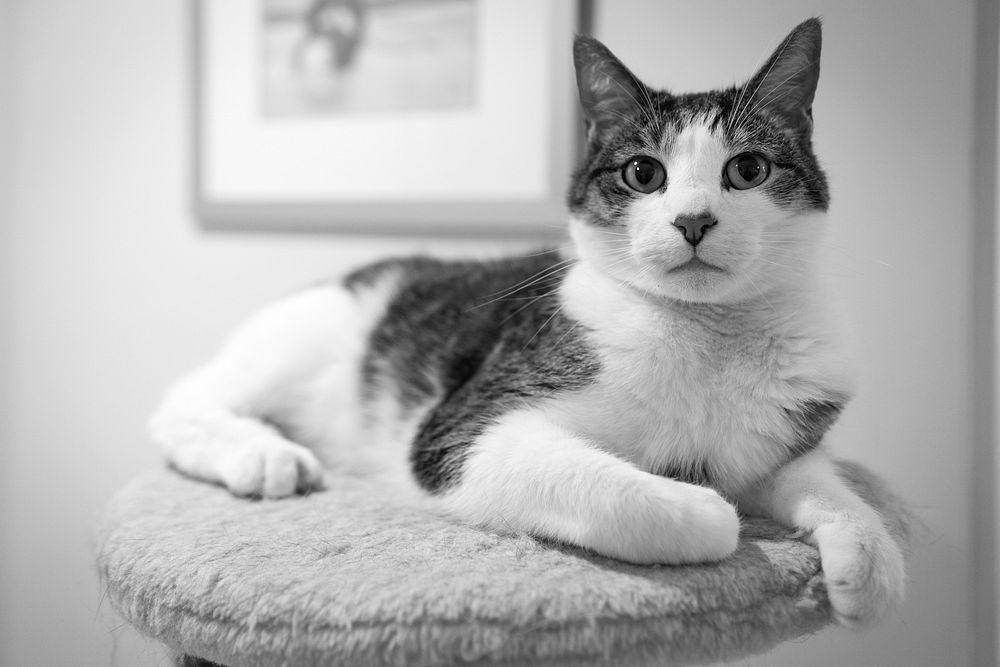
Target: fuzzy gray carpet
[{"x": 345, "y": 577}]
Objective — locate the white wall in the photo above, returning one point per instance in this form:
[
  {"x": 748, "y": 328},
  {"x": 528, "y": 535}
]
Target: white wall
[{"x": 114, "y": 289}]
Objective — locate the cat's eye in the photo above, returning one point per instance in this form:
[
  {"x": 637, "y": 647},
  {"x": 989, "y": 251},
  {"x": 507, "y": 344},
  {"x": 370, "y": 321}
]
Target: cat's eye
[
  {"x": 747, "y": 170},
  {"x": 644, "y": 174}
]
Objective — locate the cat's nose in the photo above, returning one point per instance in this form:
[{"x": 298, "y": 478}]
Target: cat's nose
[{"x": 695, "y": 226}]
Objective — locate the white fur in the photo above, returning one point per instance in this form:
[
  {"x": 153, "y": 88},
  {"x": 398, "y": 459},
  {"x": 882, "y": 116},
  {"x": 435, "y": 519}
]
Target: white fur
[
  {"x": 527, "y": 474},
  {"x": 694, "y": 382}
]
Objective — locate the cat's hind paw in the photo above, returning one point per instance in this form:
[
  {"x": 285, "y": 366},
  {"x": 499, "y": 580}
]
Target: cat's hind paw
[
  {"x": 863, "y": 570},
  {"x": 270, "y": 467}
]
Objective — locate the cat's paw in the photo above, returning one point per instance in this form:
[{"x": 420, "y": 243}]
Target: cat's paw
[
  {"x": 676, "y": 523},
  {"x": 714, "y": 528},
  {"x": 270, "y": 467},
  {"x": 863, "y": 569}
]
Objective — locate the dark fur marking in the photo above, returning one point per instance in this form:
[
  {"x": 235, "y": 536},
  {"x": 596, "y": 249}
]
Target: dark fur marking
[
  {"x": 692, "y": 473},
  {"x": 368, "y": 276},
  {"x": 811, "y": 422},
  {"x": 458, "y": 333}
]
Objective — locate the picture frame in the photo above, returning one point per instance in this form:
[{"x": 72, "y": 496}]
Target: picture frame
[{"x": 497, "y": 166}]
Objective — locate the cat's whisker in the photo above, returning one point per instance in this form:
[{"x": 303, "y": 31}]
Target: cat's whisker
[
  {"x": 621, "y": 261},
  {"x": 620, "y": 235},
  {"x": 619, "y": 256},
  {"x": 551, "y": 274},
  {"x": 618, "y": 244},
  {"x": 618, "y": 252},
  {"x": 744, "y": 88},
  {"x": 774, "y": 61},
  {"x": 737, "y": 105},
  {"x": 646, "y": 112},
  {"x": 569, "y": 332},
  {"x": 835, "y": 270},
  {"x": 783, "y": 250},
  {"x": 778, "y": 262},
  {"x": 510, "y": 295},
  {"x": 853, "y": 254},
  {"x": 547, "y": 272},
  {"x": 634, "y": 284},
  {"x": 762, "y": 295},
  {"x": 531, "y": 296},
  {"x": 825, "y": 242},
  {"x": 654, "y": 111},
  {"x": 780, "y": 265},
  {"x": 546, "y": 251},
  {"x": 544, "y": 324},
  {"x": 530, "y": 303},
  {"x": 643, "y": 272}
]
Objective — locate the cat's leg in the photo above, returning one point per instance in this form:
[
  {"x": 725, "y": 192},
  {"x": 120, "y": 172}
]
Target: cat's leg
[
  {"x": 218, "y": 444},
  {"x": 863, "y": 566},
  {"x": 221, "y": 422},
  {"x": 527, "y": 474}
]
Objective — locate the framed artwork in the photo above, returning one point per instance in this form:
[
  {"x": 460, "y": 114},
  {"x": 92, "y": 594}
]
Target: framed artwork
[{"x": 385, "y": 115}]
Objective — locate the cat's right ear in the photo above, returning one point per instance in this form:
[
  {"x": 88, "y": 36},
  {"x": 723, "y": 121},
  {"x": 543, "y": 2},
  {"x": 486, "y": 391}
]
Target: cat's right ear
[{"x": 609, "y": 92}]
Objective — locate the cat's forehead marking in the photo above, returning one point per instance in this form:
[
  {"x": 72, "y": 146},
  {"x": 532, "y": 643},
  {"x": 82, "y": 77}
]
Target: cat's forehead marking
[
  {"x": 684, "y": 122},
  {"x": 695, "y": 152}
]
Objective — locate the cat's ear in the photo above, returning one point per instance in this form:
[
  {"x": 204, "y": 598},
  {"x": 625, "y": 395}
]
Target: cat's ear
[
  {"x": 609, "y": 92},
  {"x": 786, "y": 83}
]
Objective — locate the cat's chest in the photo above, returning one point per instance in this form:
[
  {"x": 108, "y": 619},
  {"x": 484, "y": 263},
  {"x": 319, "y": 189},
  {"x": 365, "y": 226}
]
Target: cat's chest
[{"x": 677, "y": 397}]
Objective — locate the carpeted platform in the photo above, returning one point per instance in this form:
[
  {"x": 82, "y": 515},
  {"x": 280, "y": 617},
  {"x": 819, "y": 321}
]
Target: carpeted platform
[{"x": 347, "y": 577}]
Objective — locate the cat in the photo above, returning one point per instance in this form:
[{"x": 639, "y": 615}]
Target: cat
[{"x": 627, "y": 395}]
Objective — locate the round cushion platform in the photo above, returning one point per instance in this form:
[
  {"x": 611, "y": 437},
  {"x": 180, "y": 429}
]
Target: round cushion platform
[{"x": 347, "y": 576}]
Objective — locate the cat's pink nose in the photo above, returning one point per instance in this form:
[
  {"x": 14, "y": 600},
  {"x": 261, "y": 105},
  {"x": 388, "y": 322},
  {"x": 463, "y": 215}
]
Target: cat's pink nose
[{"x": 695, "y": 226}]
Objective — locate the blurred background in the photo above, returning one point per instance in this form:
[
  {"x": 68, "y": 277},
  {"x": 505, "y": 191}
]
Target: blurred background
[
  {"x": 110, "y": 288},
  {"x": 330, "y": 56}
]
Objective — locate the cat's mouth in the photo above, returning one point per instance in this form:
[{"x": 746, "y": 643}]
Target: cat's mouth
[{"x": 696, "y": 264}]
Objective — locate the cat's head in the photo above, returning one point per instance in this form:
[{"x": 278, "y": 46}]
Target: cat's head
[{"x": 707, "y": 197}]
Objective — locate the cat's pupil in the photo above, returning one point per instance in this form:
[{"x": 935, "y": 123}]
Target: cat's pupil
[
  {"x": 644, "y": 171},
  {"x": 749, "y": 168}
]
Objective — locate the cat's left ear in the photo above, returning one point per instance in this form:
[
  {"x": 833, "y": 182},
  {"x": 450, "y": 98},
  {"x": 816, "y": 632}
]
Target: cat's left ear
[
  {"x": 609, "y": 92},
  {"x": 786, "y": 83}
]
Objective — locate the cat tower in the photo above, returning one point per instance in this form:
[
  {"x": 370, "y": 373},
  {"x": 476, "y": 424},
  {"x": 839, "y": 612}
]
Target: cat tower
[{"x": 346, "y": 577}]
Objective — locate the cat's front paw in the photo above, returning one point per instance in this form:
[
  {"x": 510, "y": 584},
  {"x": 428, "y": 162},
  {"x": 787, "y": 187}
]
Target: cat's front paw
[
  {"x": 271, "y": 467},
  {"x": 863, "y": 569},
  {"x": 671, "y": 523}
]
